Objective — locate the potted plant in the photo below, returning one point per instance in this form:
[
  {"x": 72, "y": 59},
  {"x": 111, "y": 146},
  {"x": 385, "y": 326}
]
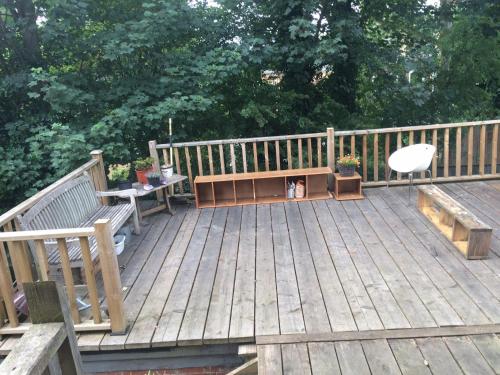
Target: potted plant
[
  {"x": 120, "y": 173},
  {"x": 347, "y": 165},
  {"x": 167, "y": 170},
  {"x": 142, "y": 168},
  {"x": 154, "y": 179}
]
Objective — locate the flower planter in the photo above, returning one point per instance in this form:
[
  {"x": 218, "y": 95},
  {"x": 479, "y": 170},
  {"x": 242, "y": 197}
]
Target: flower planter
[
  {"x": 142, "y": 175},
  {"x": 154, "y": 181},
  {"x": 167, "y": 171},
  {"x": 346, "y": 171},
  {"x": 124, "y": 185}
]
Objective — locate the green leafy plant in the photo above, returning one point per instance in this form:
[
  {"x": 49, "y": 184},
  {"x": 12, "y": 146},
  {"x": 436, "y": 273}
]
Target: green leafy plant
[
  {"x": 145, "y": 163},
  {"x": 119, "y": 172},
  {"x": 348, "y": 161}
]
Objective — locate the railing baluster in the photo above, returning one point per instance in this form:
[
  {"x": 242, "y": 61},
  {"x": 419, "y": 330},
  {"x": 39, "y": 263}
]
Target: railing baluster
[
  {"x": 266, "y": 155},
  {"x": 353, "y": 145},
  {"x": 435, "y": 157},
  {"x": 165, "y": 156},
  {"x": 221, "y": 158},
  {"x": 210, "y": 160},
  {"x": 88, "y": 268},
  {"x": 470, "y": 149},
  {"x": 482, "y": 149},
  {"x": 387, "y": 145},
  {"x": 494, "y": 150},
  {"x": 341, "y": 146},
  {"x": 68, "y": 279},
  {"x": 299, "y": 146},
  {"x": 375, "y": 157},
  {"x": 422, "y": 140},
  {"x": 458, "y": 152},
  {"x": 289, "y": 153},
  {"x": 233, "y": 158},
  {"x": 244, "y": 155},
  {"x": 446, "y": 163},
  {"x": 255, "y": 158},
  {"x": 278, "y": 158},
  {"x": 309, "y": 153},
  {"x": 399, "y": 144},
  {"x": 43, "y": 263},
  {"x": 20, "y": 259},
  {"x": 188, "y": 166},
  {"x": 178, "y": 168},
  {"x": 200, "y": 162},
  {"x": 6, "y": 288},
  {"x": 318, "y": 146},
  {"x": 410, "y": 137},
  {"x": 365, "y": 157}
]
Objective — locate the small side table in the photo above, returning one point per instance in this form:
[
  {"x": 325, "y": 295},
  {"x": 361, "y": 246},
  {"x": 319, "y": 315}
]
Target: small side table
[
  {"x": 176, "y": 178},
  {"x": 347, "y": 188}
]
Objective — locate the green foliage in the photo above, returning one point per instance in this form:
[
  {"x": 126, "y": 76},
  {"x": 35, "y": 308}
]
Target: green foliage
[
  {"x": 119, "y": 172},
  {"x": 143, "y": 164},
  {"x": 77, "y": 75}
]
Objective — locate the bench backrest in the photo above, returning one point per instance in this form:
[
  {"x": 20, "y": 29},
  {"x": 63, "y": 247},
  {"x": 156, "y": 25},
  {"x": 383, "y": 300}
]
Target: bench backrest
[{"x": 66, "y": 207}]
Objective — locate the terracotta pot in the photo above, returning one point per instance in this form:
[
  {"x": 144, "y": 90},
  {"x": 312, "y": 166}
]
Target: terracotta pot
[{"x": 142, "y": 175}]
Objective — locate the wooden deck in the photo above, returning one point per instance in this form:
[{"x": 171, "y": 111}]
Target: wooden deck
[
  {"x": 230, "y": 274},
  {"x": 478, "y": 354}
]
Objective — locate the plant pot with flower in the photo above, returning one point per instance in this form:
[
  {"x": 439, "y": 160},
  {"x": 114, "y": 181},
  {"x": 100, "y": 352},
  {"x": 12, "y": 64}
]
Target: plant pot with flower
[
  {"x": 120, "y": 173},
  {"x": 142, "y": 168},
  {"x": 347, "y": 165}
]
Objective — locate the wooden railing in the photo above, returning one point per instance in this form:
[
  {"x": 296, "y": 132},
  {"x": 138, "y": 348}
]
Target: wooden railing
[
  {"x": 243, "y": 155},
  {"x": 109, "y": 269},
  {"x": 466, "y": 150}
]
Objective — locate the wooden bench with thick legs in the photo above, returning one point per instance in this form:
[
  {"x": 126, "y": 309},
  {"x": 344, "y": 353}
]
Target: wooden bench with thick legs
[{"x": 469, "y": 234}]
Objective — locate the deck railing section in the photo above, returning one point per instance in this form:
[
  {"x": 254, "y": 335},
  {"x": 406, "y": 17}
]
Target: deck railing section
[
  {"x": 109, "y": 267},
  {"x": 468, "y": 150},
  {"x": 15, "y": 256},
  {"x": 242, "y": 155}
]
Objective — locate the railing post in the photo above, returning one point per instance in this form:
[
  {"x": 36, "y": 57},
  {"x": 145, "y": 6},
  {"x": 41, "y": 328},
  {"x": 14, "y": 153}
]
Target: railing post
[
  {"x": 153, "y": 152},
  {"x": 110, "y": 275},
  {"x": 102, "y": 184},
  {"x": 47, "y": 303},
  {"x": 330, "y": 151}
]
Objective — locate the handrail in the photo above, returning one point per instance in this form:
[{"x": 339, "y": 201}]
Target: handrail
[
  {"x": 46, "y": 234},
  {"x": 241, "y": 140},
  {"x": 415, "y": 128},
  {"x": 28, "y": 203}
]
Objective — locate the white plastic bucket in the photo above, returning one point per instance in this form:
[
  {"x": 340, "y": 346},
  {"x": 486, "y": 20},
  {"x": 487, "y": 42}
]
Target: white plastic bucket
[{"x": 119, "y": 243}]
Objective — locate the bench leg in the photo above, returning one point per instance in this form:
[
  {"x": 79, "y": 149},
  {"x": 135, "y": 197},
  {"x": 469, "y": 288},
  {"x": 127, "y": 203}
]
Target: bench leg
[{"x": 137, "y": 225}]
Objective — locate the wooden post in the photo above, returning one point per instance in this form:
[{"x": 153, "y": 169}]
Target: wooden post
[
  {"x": 365, "y": 157},
  {"x": 101, "y": 174},
  {"x": 153, "y": 152},
  {"x": 110, "y": 275},
  {"x": 458, "y": 152},
  {"x": 330, "y": 152},
  {"x": 494, "y": 150},
  {"x": 47, "y": 303},
  {"x": 6, "y": 288}
]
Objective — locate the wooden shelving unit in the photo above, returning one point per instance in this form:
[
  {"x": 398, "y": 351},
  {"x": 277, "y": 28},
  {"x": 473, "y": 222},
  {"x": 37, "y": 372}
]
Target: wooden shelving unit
[
  {"x": 347, "y": 188},
  {"x": 259, "y": 187}
]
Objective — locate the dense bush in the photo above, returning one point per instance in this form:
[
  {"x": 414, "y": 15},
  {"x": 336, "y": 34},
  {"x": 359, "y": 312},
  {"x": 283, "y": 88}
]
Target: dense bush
[{"x": 82, "y": 74}]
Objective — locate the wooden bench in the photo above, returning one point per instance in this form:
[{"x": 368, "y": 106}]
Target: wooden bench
[
  {"x": 76, "y": 204},
  {"x": 259, "y": 187},
  {"x": 469, "y": 234}
]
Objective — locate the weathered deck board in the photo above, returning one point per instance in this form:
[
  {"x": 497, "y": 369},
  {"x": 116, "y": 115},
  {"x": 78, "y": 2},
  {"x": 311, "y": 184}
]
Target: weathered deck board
[
  {"x": 226, "y": 275},
  {"x": 242, "y": 326},
  {"x": 438, "y": 355},
  {"x": 219, "y": 312},
  {"x": 289, "y": 306},
  {"x": 266, "y": 312}
]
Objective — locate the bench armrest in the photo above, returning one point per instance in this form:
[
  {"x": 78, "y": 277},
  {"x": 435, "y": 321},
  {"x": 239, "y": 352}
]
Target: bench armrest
[{"x": 119, "y": 193}]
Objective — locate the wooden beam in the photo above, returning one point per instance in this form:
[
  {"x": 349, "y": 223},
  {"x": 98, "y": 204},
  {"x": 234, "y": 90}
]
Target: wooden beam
[{"x": 330, "y": 153}]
